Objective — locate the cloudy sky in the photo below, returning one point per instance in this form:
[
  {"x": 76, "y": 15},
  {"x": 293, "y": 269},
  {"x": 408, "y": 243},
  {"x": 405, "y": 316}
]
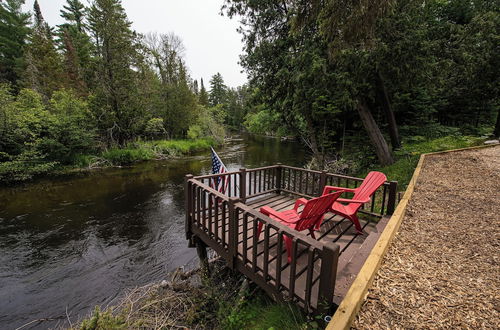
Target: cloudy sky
[{"x": 211, "y": 41}]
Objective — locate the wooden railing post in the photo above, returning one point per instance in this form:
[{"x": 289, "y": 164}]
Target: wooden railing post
[
  {"x": 391, "y": 201},
  {"x": 243, "y": 184},
  {"x": 322, "y": 182},
  {"x": 328, "y": 275},
  {"x": 233, "y": 231},
  {"x": 278, "y": 177},
  {"x": 187, "y": 205}
]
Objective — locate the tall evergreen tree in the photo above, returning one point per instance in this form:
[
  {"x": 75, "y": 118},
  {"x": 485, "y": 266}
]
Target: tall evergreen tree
[
  {"x": 43, "y": 64},
  {"x": 218, "y": 91},
  {"x": 203, "y": 97},
  {"x": 14, "y": 30},
  {"x": 74, "y": 12},
  {"x": 115, "y": 80},
  {"x": 76, "y": 45}
]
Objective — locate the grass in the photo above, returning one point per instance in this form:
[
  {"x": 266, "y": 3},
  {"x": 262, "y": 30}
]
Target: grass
[
  {"x": 159, "y": 149},
  {"x": 407, "y": 157},
  {"x": 260, "y": 312},
  {"x": 221, "y": 300}
]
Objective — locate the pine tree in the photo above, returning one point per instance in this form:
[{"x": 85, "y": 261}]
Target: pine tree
[
  {"x": 218, "y": 91},
  {"x": 195, "y": 87},
  {"x": 44, "y": 65},
  {"x": 14, "y": 30},
  {"x": 74, "y": 12},
  {"x": 203, "y": 97},
  {"x": 73, "y": 69},
  {"x": 76, "y": 46},
  {"x": 115, "y": 82}
]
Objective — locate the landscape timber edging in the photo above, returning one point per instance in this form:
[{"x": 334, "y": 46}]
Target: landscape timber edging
[{"x": 351, "y": 304}]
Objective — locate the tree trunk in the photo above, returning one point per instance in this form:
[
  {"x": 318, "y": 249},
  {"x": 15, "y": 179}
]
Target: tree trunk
[
  {"x": 376, "y": 137},
  {"x": 497, "y": 126},
  {"x": 312, "y": 142},
  {"x": 389, "y": 113}
]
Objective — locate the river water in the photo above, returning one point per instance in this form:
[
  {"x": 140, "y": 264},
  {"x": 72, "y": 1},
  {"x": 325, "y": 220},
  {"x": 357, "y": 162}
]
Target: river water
[{"x": 69, "y": 244}]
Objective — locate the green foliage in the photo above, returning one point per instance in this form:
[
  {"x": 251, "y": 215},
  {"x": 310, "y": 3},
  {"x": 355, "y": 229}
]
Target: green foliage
[
  {"x": 432, "y": 63},
  {"x": 37, "y": 136},
  {"x": 264, "y": 122},
  {"x": 103, "y": 320},
  {"x": 261, "y": 313},
  {"x": 14, "y": 30},
  {"x": 169, "y": 148},
  {"x": 209, "y": 124},
  {"x": 194, "y": 132},
  {"x": 44, "y": 71},
  {"x": 116, "y": 104},
  {"x": 409, "y": 154},
  {"x": 126, "y": 156},
  {"x": 155, "y": 128},
  {"x": 159, "y": 149},
  {"x": 218, "y": 91},
  {"x": 24, "y": 166}
]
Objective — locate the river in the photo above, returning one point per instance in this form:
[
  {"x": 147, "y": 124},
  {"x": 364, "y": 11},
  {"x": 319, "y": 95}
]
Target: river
[{"x": 71, "y": 243}]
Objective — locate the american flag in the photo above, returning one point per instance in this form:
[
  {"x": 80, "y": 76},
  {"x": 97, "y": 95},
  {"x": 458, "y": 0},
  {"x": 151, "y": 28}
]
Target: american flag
[{"x": 218, "y": 183}]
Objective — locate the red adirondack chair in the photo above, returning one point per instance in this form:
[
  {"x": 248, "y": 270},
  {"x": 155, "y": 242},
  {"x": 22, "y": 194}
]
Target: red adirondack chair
[
  {"x": 362, "y": 195},
  {"x": 312, "y": 214}
]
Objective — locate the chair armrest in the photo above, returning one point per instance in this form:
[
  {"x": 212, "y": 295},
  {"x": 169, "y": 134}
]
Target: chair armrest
[
  {"x": 266, "y": 210},
  {"x": 357, "y": 201},
  {"x": 328, "y": 189},
  {"x": 298, "y": 202}
]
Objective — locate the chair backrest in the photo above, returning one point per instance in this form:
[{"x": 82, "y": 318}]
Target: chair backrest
[
  {"x": 315, "y": 209},
  {"x": 370, "y": 184}
]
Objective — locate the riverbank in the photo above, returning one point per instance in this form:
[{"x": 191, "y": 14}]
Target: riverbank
[
  {"x": 255, "y": 310},
  {"x": 14, "y": 172},
  {"x": 408, "y": 155},
  {"x": 191, "y": 300}
]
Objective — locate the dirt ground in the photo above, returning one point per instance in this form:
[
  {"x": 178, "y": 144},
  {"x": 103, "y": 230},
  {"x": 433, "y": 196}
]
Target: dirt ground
[{"x": 442, "y": 269}]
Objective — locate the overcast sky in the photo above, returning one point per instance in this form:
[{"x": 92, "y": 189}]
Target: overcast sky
[{"x": 211, "y": 41}]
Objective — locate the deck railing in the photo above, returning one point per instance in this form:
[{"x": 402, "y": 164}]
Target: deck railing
[{"x": 227, "y": 225}]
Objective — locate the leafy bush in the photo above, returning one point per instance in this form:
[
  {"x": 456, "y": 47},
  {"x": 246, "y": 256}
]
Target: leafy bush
[
  {"x": 209, "y": 124},
  {"x": 24, "y": 167},
  {"x": 194, "y": 132},
  {"x": 155, "y": 128}
]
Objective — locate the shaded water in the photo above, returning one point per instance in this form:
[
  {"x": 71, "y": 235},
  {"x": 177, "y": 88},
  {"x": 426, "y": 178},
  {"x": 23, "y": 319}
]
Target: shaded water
[{"x": 73, "y": 243}]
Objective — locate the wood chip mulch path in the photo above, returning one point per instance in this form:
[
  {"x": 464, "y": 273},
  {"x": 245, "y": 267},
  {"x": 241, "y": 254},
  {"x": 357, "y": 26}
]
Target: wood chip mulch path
[{"x": 442, "y": 269}]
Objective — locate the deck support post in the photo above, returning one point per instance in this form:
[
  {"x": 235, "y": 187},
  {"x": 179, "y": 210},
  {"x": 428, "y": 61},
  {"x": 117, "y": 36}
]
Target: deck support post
[
  {"x": 391, "y": 201},
  {"x": 243, "y": 184},
  {"x": 278, "y": 178},
  {"x": 328, "y": 276},
  {"x": 201, "y": 250},
  {"x": 322, "y": 182},
  {"x": 233, "y": 231},
  {"x": 187, "y": 207}
]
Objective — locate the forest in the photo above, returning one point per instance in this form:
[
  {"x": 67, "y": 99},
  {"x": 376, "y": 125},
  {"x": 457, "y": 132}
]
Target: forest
[
  {"x": 90, "y": 90},
  {"x": 350, "y": 79},
  {"x": 346, "y": 70}
]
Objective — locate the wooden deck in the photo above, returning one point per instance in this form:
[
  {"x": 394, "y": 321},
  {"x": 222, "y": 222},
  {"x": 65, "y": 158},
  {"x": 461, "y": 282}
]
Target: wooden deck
[
  {"x": 321, "y": 270},
  {"x": 354, "y": 248}
]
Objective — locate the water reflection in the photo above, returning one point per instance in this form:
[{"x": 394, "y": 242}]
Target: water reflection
[{"x": 76, "y": 242}]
